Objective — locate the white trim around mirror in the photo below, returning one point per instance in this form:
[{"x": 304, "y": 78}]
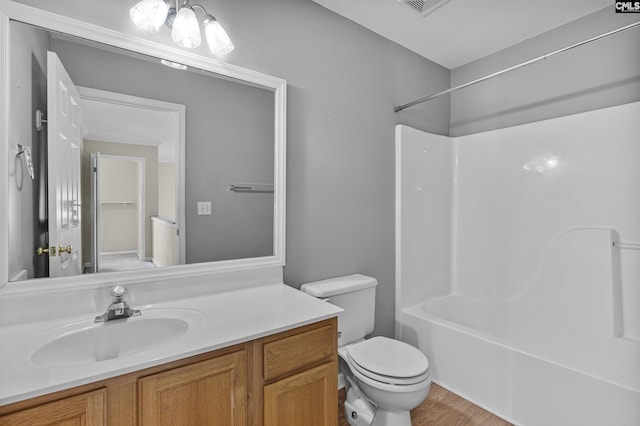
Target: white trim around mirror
[{"x": 50, "y": 21}]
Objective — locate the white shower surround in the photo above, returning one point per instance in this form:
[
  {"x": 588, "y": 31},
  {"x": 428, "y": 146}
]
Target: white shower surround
[{"x": 507, "y": 276}]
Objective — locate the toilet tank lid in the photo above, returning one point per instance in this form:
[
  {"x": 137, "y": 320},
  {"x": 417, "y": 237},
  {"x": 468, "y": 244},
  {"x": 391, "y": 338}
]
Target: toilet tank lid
[{"x": 338, "y": 285}]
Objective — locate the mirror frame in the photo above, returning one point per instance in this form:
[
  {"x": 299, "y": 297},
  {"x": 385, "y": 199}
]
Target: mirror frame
[{"x": 62, "y": 24}]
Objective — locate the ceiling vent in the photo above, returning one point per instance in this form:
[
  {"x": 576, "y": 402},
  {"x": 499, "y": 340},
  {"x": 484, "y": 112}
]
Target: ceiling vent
[{"x": 424, "y": 7}]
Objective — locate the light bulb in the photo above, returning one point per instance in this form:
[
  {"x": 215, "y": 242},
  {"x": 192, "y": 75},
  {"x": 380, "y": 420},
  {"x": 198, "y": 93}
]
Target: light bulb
[
  {"x": 186, "y": 31},
  {"x": 149, "y": 15},
  {"x": 217, "y": 38}
]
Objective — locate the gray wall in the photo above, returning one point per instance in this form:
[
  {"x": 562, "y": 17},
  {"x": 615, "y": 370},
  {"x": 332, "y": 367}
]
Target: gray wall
[
  {"x": 343, "y": 82},
  {"x": 167, "y": 191},
  {"x": 598, "y": 75},
  {"x": 229, "y": 139}
]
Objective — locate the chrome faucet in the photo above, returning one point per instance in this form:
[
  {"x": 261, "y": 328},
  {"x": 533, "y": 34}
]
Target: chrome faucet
[{"x": 119, "y": 307}]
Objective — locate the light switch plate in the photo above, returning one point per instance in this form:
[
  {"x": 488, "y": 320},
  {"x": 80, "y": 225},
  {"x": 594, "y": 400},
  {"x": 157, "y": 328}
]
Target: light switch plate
[{"x": 204, "y": 208}]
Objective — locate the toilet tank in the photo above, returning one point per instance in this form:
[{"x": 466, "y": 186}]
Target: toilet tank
[{"x": 356, "y": 294}]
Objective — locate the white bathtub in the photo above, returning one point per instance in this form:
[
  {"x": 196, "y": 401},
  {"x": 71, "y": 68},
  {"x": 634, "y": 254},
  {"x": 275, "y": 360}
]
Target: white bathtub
[
  {"x": 518, "y": 265},
  {"x": 551, "y": 355},
  {"x": 521, "y": 387}
]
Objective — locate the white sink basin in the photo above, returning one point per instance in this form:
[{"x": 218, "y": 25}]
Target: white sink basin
[{"x": 85, "y": 342}]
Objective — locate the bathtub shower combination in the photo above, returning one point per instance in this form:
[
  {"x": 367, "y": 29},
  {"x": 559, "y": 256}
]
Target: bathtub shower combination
[{"x": 518, "y": 265}]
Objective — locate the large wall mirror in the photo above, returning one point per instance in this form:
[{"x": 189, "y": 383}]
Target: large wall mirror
[{"x": 127, "y": 159}]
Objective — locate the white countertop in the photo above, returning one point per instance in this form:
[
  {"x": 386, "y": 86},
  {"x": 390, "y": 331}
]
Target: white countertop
[{"x": 228, "y": 318}]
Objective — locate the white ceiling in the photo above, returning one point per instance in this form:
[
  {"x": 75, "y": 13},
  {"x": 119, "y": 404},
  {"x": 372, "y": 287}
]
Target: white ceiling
[
  {"x": 119, "y": 123},
  {"x": 461, "y": 31}
]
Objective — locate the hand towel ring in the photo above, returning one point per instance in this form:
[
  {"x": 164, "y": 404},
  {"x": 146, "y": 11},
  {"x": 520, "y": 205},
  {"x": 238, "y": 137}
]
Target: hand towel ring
[{"x": 26, "y": 151}]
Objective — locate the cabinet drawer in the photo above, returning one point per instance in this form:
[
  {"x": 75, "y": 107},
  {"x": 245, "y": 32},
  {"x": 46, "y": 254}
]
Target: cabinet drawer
[{"x": 292, "y": 353}]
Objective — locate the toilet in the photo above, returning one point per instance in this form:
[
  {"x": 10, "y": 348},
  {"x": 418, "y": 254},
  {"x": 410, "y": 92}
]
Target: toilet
[{"x": 384, "y": 378}]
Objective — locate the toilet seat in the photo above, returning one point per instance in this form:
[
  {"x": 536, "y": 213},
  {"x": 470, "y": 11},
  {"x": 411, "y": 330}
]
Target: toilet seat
[
  {"x": 390, "y": 387},
  {"x": 388, "y": 379},
  {"x": 388, "y": 361}
]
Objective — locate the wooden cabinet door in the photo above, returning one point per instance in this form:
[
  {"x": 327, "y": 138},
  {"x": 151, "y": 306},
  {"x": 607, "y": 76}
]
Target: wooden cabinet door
[
  {"x": 308, "y": 398},
  {"x": 88, "y": 409},
  {"x": 211, "y": 392}
]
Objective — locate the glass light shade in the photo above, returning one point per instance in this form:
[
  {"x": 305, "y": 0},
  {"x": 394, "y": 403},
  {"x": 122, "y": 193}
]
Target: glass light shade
[
  {"x": 186, "y": 31},
  {"x": 149, "y": 15},
  {"x": 217, "y": 38}
]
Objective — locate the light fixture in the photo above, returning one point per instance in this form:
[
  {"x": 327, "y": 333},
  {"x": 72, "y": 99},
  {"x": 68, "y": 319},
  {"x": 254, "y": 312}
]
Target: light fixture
[
  {"x": 149, "y": 15},
  {"x": 217, "y": 38},
  {"x": 186, "y": 31}
]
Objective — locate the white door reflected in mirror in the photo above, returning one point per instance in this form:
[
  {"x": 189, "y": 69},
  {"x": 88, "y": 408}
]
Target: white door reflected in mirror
[{"x": 64, "y": 124}]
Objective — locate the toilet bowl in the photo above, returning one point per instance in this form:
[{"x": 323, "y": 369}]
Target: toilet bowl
[
  {"x": 385, "y": 378},
  {"x": 392, "y": 375}
]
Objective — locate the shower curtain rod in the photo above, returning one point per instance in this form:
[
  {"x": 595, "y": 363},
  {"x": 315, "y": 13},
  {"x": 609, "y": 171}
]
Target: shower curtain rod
[{"x": 529, "y": 62}]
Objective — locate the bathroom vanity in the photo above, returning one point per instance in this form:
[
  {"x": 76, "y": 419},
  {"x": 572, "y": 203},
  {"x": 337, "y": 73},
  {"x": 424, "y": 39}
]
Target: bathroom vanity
[
  {"x": 220, "y": 338},
  {"x": 231, "y": 370}
]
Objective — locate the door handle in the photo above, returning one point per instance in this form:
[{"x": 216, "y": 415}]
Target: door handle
[
  {"x": 51, "y": 251},
  {"x": 62, "y": 249}
]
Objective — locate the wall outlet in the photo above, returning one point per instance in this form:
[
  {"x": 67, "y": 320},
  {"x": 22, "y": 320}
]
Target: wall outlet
[{"x": 204, "y": 208}]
